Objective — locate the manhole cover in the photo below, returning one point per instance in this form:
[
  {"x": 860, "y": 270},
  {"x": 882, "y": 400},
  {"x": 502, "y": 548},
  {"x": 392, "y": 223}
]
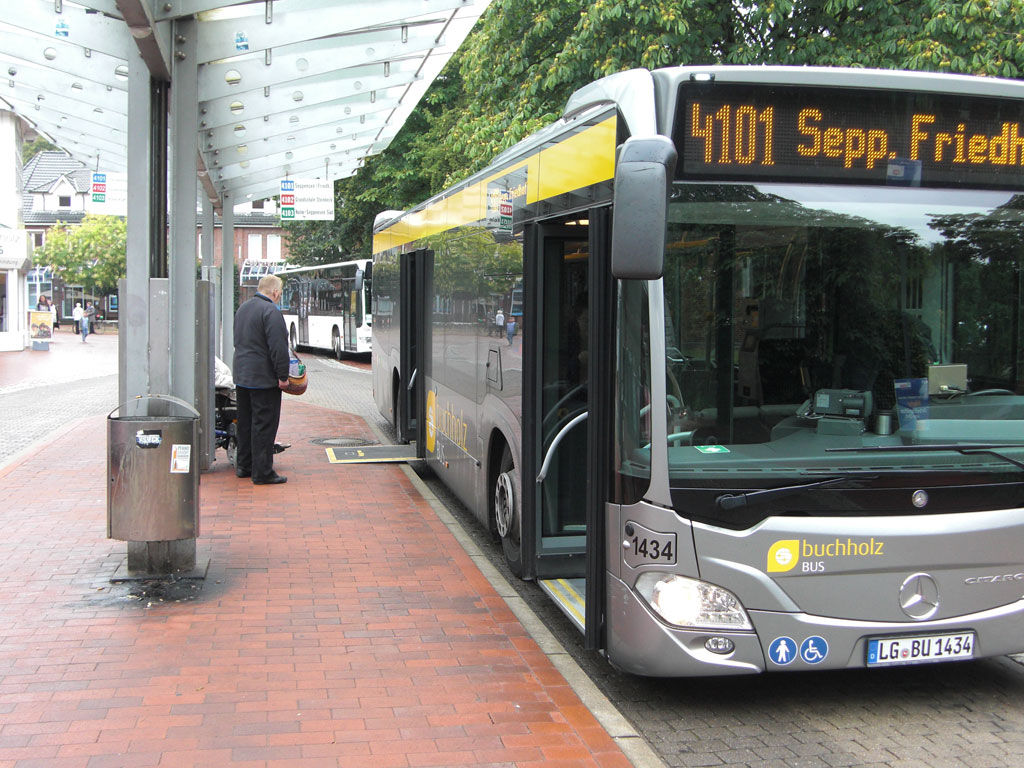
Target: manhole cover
[{"x": 341, "y": 442}]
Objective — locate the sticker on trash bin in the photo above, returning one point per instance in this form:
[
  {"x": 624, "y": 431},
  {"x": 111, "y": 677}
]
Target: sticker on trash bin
[
  {"x": 148, "y": 438},
  {"x": 181, "y": 457}
]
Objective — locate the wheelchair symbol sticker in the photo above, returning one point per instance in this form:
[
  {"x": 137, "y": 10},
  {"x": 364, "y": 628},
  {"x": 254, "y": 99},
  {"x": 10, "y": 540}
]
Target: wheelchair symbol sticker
[
  {"x": 814, "y": 649},
  {"x": 782, "y": 650}
]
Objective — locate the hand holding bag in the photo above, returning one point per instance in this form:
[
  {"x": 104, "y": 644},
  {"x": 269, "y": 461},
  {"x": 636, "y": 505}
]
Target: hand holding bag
[{"x": 297, "y": 379}]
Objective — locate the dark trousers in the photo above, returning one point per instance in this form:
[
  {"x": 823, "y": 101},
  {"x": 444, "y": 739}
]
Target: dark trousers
[{"x": 259, "y": 414}]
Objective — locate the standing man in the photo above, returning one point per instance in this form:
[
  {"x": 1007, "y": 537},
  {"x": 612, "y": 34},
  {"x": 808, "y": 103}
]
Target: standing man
[
  {"x": 76, "y": 315},
  {"x": 499, "y": 323},
  {"x": 260, "y": 371}
]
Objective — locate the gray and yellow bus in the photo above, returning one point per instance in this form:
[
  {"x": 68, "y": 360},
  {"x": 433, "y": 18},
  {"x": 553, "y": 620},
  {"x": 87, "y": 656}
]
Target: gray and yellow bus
[{"x": 762, "y": 407}]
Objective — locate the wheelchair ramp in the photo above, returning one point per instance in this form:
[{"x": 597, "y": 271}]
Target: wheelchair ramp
[
  {"x": 570, "y": 596},
  {"x": 371, "y": 454}
]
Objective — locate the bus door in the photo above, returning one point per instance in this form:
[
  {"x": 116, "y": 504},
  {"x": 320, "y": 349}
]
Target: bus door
[
  {"x": 569, "y": 271},
  {"x": 351, "y": 311},
  {"x": 305, "y": 307},
  {"x": 415, "y": 273}
]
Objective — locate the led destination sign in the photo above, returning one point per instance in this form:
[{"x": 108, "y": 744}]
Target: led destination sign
[{"x": 779, "y": 133}]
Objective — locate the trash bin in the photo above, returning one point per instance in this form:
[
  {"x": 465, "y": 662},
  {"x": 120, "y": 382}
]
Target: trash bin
[{"x": 153, "y": 475}]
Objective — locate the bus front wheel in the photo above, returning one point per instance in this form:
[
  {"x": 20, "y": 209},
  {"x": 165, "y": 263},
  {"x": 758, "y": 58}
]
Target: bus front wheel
[{"x": 507, "y": 512}]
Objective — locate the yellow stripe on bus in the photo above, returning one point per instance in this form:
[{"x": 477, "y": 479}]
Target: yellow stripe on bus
[{"x": 579, "y": 161}]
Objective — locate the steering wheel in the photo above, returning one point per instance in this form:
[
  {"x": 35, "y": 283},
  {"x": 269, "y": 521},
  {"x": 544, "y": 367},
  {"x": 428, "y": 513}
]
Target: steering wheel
[{"x": 675, "y": 397}]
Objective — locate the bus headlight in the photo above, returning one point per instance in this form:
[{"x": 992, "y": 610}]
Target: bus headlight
[{"x": 690, "y": 603}]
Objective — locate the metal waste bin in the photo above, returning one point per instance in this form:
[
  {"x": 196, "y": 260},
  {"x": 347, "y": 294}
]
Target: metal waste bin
[{"x": 153, "y": 475}]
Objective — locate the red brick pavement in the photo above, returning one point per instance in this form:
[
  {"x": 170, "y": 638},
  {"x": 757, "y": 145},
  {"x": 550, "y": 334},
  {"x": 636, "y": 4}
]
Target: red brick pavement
[{"x": 340, "y": 624}]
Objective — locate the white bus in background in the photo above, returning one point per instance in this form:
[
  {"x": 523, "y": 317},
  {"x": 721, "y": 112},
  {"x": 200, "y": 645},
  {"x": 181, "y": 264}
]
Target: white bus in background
[{"x": 328, "y": 306}]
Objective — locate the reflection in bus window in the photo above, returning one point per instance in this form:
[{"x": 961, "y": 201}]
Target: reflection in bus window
[
  {"x": 771, "y": 299},
  {"x": 328, "y": 307},
  {"x": 633, "y": 391}
]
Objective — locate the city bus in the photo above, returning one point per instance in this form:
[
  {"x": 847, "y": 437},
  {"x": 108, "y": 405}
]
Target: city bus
[
  {"x": 328, "y": 306},
  {"x": 764, "y": 410}
]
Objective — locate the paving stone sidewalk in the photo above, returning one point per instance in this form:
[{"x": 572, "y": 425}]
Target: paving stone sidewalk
[{"x": 340, "y": 624}]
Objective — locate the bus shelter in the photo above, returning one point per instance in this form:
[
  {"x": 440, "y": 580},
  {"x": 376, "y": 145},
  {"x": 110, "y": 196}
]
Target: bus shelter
[{"x": 187, "y": 107}]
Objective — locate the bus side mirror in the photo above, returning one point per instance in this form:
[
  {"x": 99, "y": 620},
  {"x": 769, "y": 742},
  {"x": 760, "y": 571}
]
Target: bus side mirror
[
  {"x": 359, "y": 280},
  {"x": 643, "y": 178}
]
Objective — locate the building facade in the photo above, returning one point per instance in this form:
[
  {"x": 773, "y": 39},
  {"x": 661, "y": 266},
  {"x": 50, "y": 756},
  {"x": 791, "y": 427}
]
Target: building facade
[
  {"x": 56, "y": 188},
  {"x": 14, "y": 246}
]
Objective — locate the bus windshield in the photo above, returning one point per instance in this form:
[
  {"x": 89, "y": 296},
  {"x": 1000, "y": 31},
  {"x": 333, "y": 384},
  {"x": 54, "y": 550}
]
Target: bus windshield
[{"x": 814, "y": 331}]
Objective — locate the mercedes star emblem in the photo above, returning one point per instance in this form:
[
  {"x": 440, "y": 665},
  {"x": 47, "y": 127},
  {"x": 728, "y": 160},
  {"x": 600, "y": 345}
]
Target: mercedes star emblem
[{"x": 919, "y": 596}]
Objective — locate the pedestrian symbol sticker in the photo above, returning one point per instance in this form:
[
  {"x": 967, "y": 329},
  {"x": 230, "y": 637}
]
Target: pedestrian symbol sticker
[
  {"x": 782, "y": 650},
  {"x": 814, "y": 649}
]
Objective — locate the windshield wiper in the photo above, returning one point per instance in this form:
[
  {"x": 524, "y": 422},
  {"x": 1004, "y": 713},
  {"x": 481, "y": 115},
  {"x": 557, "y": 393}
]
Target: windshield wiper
[
  {"x": 965, "y": 448},
  {"x": 729, "y": 501}
]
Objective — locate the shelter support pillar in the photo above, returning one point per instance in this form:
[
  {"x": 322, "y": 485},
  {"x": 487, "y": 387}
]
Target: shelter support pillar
[
  {"x": 171, "y": 312},
  {"x": 206, "y": 254},
  {"x": 184, "y": 125},
  {"x": 145, "y": 186},
  {"x": 228, "y": 280}
]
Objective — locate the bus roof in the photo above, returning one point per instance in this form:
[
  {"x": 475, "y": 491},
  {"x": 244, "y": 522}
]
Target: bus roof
[{"x": 640, "y": 96}]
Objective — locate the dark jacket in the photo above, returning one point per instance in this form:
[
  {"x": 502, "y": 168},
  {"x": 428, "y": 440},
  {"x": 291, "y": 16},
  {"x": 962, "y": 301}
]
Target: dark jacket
[{"x": 261, "y": 345}]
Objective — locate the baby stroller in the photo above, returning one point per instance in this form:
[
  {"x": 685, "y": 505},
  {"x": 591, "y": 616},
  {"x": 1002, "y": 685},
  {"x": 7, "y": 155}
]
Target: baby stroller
[{"x": 225, "y": 413}]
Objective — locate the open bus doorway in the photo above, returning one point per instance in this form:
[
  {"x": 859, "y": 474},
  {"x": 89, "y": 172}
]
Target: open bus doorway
[
  {"x": 563, "y": 392},
  {"x": 572, "y": 296}
]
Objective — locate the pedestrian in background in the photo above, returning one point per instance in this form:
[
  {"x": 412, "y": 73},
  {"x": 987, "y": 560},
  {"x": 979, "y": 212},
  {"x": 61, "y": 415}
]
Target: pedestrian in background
[
  {"x": 260, "y": 371},
  {"x": 87, "y": 319},
  {"x": 76, "y": 315}
]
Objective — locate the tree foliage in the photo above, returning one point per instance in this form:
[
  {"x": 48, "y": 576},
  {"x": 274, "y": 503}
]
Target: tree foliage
[
  {"x": 32, "y": 148},
  {"x": 92, "y": 254},
  {"x": 525, "y": 57}
]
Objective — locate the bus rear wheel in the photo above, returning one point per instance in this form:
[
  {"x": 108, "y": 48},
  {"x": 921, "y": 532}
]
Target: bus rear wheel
[
  {"x": 336, "y": 344},
  {"x": 506, "y": 497}
]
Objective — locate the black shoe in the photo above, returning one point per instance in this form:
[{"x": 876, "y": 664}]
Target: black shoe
[
  {"x": 273, "y": 480},
  {"x": 243, "y": 473}
]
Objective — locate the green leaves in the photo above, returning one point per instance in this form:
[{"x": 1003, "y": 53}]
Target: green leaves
[
  {"x": 515, "y": 72},
  {"x": 92, "y": 254}
]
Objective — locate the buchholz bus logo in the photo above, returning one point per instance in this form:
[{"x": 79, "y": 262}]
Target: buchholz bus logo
[
  {"x": 431, "y": 420},
  {"x": 785, "y": 554}
]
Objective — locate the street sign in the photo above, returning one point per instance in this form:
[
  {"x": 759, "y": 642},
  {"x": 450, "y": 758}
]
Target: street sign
[
  {"x": 307, "y": 199},
  {"x": 108, "y": 194}
]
